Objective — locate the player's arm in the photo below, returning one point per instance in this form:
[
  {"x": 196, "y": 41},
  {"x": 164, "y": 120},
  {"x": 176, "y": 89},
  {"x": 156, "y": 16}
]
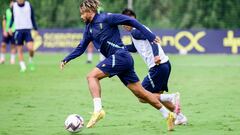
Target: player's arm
[
  {"x": 119, "y": 19},
  {"x": 11, "y": 24},
  {"x": 136, "y": 34},
  {"x": 131, "y": 48},
  {"x": 79, "y": 50},
  {"x": 4, "y": 26},
  {"x": 33, "y": 19},
  {"x": 155, "y": 47}
]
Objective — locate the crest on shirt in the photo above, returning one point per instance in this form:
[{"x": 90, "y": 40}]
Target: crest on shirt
[{"x": 101, "y": 26}]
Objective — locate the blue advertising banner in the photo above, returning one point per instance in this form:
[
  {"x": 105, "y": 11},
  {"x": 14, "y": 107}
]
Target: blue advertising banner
[{"x": 172, "y": 41}]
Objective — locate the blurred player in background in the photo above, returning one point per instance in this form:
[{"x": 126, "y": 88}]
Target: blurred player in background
[
  {"x": 90, "y": 48},
  {"x": 159, "y": 69},
  {"x": 7, "y": 38},
  {"x": 102, "y": 30},
  {"x": 24, "y": 19}
]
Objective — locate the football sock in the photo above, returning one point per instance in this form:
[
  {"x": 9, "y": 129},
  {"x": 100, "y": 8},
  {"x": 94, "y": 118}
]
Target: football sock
[
  {"x": 2, "y": 56},
  {"x": 89, "y": 56},
  {"x": 30, "y": 59},
  {"x": 164, "y": 111},
  {"x": 22, "y": 65},
  {"x": 166, "y": 97},
  {"x": 97, "y": 104},
  {"x": 12, "y": 57}
]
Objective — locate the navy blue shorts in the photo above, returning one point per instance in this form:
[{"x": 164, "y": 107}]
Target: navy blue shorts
[
  {"x": 23, "y": 35},
  {"x": 121, "y": 64},
  {"x": 8, "y": 40},
  {"x": 157, "y": 78}
]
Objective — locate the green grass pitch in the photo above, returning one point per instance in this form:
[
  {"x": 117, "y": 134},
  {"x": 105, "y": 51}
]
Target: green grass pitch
[{"x": 37, "y": 103}]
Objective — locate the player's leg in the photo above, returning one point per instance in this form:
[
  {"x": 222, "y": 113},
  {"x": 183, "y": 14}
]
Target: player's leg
[
  {"x": 169, "y": 105},
  {"x": 13, "y": 50},
  {"x": 30, "y": 46},
  {"x": 106, "y": 68},
  {"x": 21, "y": 59},
  {"x": 13, "y": 54},
  {"x": 5, "y": 41},
  {"x": 30, "y": 51},
  {"x": 95, "y": 89},
  {"x": 93, "y": 82},
  {"x": 124, "y": 64},
  {"x": 19, "y": 43},
  {"x": 3, "y": 52},
  {"x": 140, "y": 92},
  {"x": 90, "y": 53}
]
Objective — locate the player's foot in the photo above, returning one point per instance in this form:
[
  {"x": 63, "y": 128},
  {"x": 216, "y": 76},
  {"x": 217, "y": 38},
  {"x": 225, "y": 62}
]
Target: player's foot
[
  {"x": 96, "y": 116},
  {"x": 180, "y": 119},
  {"x": 176, "y": 102},
  {"x": 31, "y": 66},
  {"x": 2, "y": 61},
  {"x": 170, "y": 121}
]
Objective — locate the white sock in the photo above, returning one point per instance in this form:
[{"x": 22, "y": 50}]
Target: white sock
[
  {"x": 166, "y": 97},
  {"x": 89, "y": 56},
  {"x": 22, "y": 65},
  {"x": 164, "y": 112},
  {"x": 97, "y": 104},
  {"x": 2, "y": 56},
  {"x": 30, "y": 60},
  {"x": 12, "y": 57}
]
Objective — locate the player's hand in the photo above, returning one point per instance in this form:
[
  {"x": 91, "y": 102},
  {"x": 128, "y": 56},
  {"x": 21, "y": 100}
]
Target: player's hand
[
  {"x": 62, "y": 64},
  {"x": 10, "y": 32},
  {"x": 5, "y": 34},
  {"x": 157, "y": 40},
  {"x": 157, "y": 60}
]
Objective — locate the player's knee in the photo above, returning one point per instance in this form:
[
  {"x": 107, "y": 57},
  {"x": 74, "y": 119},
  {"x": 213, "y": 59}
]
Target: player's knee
[
  {"x": 4, "y": 45},
  {"x": 91, "y": 76}
]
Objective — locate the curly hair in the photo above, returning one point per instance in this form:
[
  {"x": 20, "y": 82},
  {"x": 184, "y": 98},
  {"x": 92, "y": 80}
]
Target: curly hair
[{"x": 90, "y": 5}]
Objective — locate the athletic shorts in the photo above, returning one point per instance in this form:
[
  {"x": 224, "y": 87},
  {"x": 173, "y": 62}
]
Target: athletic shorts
[
  {"x": 157, "y": 78},
  {"x": 23, "y": 35},
  {"x": 121, "y": 64},
  {"x": 8, "y": 40}
]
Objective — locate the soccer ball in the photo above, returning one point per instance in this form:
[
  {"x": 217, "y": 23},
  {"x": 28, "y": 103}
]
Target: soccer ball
[{"x": 74, "y": 123}]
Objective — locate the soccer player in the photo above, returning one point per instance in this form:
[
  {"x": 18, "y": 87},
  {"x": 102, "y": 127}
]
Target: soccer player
[
  {"x": 23, "y": 17},
  {"x": 159, "y": 69},
  {"x": 90, "y": 48},
  {"x": 7, "y": 38},
  {"x": 102, "y": 30}
]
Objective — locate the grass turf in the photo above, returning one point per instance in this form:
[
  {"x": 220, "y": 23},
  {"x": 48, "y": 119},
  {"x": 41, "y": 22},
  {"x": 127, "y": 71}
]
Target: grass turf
[{"x": 37, "y": 103}]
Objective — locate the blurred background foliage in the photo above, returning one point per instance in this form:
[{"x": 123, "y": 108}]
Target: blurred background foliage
[{"x": 173, "y": 14}]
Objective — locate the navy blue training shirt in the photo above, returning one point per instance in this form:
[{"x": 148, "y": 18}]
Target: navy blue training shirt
[{"x": 104, "y": 32}]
